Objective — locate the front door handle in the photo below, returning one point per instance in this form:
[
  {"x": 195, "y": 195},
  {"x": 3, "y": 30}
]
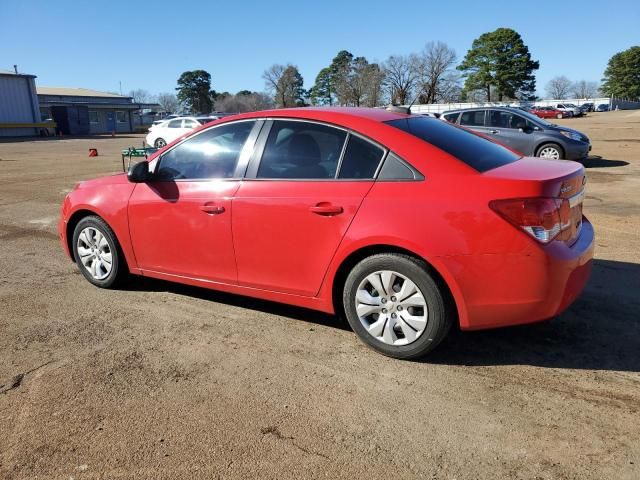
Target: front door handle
[
  {"x": 494, "y": 131},
  {"x": 326, "y": 208},
  {"x": 212, "y": 209}
]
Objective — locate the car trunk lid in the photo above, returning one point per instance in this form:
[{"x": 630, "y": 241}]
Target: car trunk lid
[{"x": 554, "y": 189}]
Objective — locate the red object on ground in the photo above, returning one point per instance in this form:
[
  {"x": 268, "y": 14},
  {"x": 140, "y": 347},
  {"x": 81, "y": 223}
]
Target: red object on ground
[
  {"x": 93, "y": 152},
  {"x": 505, "y": 235}
]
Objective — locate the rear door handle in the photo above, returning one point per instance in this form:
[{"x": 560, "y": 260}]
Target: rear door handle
[
  {"x": 325, "y": 208},
  {"x": 212, "y": 208},
  {"x": 494, "y": 131}
]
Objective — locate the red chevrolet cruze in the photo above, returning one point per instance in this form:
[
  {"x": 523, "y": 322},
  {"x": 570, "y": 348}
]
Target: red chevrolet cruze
[{"x": 406, "y": 224}]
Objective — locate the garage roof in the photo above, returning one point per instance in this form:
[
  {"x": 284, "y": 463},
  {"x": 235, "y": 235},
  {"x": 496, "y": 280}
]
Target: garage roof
[{"x": 76, "y": 92}]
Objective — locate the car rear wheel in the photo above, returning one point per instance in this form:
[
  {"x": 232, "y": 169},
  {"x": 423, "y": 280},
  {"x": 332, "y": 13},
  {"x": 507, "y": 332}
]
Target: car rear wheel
[
  {"x": 97, "y": 253},
  {"x": 550, "y": 151},
  {"x": 160, "y": 143},
  {"x": 395, "y": 306}
]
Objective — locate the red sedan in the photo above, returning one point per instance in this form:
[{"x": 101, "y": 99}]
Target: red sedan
[
  {"x": 548, "y": 112},
  {"x": 405, "y": 224}
]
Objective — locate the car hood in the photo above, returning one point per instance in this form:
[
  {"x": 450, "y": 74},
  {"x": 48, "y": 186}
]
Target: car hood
[{"x": 558, "y": 128}]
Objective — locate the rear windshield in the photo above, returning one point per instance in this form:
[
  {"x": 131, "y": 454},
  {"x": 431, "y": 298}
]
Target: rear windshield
[{"x": 477, "y": 152}]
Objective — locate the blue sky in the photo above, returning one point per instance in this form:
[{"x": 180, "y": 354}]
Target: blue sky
[{"x": 148, "y": 44}]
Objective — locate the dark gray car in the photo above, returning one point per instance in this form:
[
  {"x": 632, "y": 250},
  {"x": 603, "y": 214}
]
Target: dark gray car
[{"x": 523, "y": 132}]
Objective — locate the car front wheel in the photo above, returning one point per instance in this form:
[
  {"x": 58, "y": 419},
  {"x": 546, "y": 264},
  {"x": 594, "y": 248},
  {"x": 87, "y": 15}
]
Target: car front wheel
[
  {"x": 97, "y": 253},
  {"x": 395, "y": 306},
  {"x": 550, "y": 151}
]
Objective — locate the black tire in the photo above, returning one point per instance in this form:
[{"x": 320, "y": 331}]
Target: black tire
[
  {"x": 555, "y": 146},
  {"x": 160, "y": 143},
  {"x": 439, "y": 313},
  {"x": 119, "y": 270}
]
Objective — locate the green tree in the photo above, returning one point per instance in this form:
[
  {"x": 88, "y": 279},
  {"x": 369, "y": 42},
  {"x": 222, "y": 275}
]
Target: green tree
[
  {"x": 322, "y": 91},
  {"x": 499, "y": 63},
  {"x": 622, "y": 76},
  {"x": 194, "y": 91}
]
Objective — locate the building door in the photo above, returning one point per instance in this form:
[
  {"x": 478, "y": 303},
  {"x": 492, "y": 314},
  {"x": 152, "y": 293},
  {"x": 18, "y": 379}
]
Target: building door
[{"x": 111, "y": 121}]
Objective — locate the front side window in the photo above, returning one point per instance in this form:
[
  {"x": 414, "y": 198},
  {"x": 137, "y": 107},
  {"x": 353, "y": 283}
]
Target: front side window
[
  {"x": 213, "y": 153},
  {"x": 472, "y": 119},
  {"x": 474, "y": 150},
  {"x": 301, "y": 150},
  {"x": 121, "y": 117},
  {"x": 175, "y": 124},
  {"x": 451, "y": 117},
  {"x": 361, "y": 159},
  {"x": 501, "y": 119}
]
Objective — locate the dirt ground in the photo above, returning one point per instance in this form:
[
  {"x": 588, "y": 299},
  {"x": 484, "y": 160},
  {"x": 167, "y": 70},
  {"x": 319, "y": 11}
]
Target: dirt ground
[{"x": 161, "y": 381}]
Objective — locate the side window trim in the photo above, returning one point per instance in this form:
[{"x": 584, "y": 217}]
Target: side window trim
[
  {"x": 256, "y": 157},
  {"x": 243, "y": 159}
]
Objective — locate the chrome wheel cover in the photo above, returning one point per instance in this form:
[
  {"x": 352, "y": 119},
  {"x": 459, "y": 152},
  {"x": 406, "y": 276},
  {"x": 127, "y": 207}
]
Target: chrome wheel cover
[
  {"x": 94, "y": 252},
  {"x": 391, "y": 308},
  {"x": 550, "y": 152},
  {"x": 160, "y": 143}
]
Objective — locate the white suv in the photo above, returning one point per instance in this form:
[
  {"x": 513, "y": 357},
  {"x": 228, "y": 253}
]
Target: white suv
[
  {"x": 570, "y": 108},
  {"x": 166, "y": 132}
]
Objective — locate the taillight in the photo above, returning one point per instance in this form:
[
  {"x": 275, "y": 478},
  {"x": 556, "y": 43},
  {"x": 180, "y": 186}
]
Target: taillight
[{"x": 542, "y": 218}]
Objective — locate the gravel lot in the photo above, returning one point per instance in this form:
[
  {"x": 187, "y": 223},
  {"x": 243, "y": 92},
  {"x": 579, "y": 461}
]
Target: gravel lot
[{"x": 165, "y": 381}]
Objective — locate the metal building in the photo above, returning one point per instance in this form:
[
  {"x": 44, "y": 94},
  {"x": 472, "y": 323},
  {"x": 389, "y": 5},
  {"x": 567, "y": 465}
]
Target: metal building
[
  {"x": 19, "y": 110},
  {"x": 79, "y": 111}
]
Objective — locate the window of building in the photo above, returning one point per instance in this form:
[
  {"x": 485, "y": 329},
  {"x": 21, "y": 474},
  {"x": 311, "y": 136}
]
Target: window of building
[
  {"x": 93, "y": 116},
  {"x": 121, "y": 117}
]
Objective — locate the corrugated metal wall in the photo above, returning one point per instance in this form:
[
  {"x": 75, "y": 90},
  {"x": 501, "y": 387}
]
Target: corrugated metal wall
[{"x": 18, "y": 104}]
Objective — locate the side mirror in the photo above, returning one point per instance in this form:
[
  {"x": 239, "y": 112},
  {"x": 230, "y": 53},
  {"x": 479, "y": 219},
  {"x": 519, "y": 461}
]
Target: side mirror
[{"x": 139, "y": 172}]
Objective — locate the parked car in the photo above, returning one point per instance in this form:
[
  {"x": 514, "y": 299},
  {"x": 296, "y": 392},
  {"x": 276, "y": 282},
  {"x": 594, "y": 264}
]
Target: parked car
[
  {"x": 603, "y": 107},
  {"x": 168, "y": 130},
  {"x": 404, "y": 223},
  {"x": 588, "y": 106},
  {"x": 524, "y": 132},
  {"x": 548, "y": 112},
  {"x": 430, "y": 114},
  {"x": 570, "y": 108}
]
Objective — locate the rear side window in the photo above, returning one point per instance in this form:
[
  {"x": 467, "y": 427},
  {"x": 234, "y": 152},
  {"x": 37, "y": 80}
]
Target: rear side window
[
  {"x": 472, "y": 119},
  {"x": 361, "y": 159},
  {"x": 301, "y": 150},
  {"x": 474, "y": 150}
]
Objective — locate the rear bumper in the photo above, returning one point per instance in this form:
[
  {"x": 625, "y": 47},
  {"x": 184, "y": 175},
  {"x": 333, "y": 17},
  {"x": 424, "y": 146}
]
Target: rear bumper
[{"x": 515, "y": 289}]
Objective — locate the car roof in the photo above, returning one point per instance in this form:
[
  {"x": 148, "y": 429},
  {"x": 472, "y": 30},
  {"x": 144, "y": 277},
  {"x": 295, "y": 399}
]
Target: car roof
[
  {"x": 325, "y": 114},
  {"x": 492, "y": 107}
]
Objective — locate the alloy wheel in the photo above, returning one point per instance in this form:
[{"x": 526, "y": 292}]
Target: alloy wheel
[
  {"x": 550, "y": 152},
  {"x": 95, "y": 253},
  {"x": 391, "y": 308}
]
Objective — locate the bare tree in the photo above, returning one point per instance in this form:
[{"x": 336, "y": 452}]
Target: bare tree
[
  {"x": 558, "y": 87},
  {"x": 286, "y": 85},
  {"x": 401, "y": 76},
  {"x": 142, "y": 96},
  {"x": 449, "y": 88},
  {"x": 585, "y": 89},
  {"x": 168, "y": 102},
  {"x": 433, "y": 64}
]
